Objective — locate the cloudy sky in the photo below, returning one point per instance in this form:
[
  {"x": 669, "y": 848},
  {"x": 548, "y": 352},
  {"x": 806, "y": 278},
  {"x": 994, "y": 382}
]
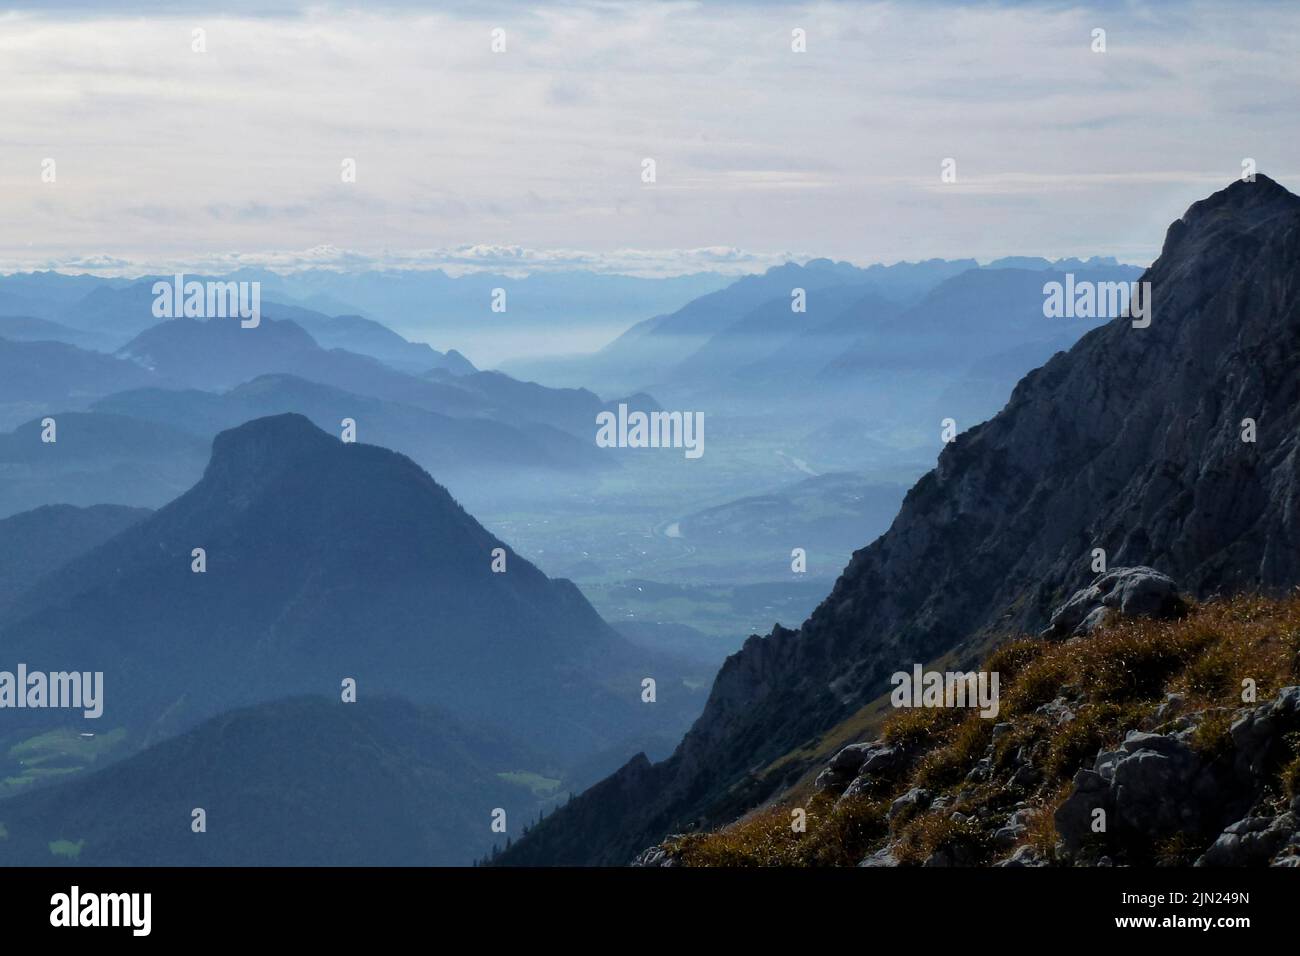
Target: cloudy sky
[{"x": 532, "y": 158}]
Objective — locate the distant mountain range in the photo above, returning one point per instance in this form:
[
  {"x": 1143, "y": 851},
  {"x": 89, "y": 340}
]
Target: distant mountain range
[
  {"x": 192, "y": 378},
  {"x": 562, "y": 311},
  {"x": 863, "y": 333},
  {"x": 646, "y": 351},
  {"x": 105, "y": 314},
  {"x": 97, "y": 458},
  {"x": 45, "y": 294},
  {"x": 221, "y": 354},
  {"x": 35, "y": 375},
  {"x": 568, "y": 311},
  {"x": 442, "y": 444},
  {"x": 26, "y": 328},
  {"x": 1138, "y": 441}
]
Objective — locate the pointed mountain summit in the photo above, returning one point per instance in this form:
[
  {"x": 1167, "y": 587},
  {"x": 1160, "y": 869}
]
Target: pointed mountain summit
[
  {"x": 1256, "y": 202},
  {"x": 327, "y": 561},
  {"x": 1172, "y": 446}
]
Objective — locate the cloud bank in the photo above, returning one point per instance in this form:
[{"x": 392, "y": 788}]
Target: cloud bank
[{"x": 466, "y": 157}]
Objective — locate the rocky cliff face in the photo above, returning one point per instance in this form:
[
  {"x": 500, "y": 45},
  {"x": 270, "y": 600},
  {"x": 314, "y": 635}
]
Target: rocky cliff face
[{"x": 1131, "y": 442}]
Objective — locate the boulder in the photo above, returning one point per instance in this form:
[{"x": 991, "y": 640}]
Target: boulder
[
  {"x": 851, "y": 758},
  {"x": 651, "y": 856},
  {"x": 1026, "y": 777},
  {"x": 1257, "y": 734},
  {"x": 1152, "y": 786},
  {"x": 1171, "y": 707},
  {"x": 882, "y": 857},
  {"x": 1159, "y": 787},
  {"x": 1010, "y": 833},
  {"x": 1126, "y": 592},
  {"x": 1057, "y": 710},
  {"x": 1156, "y": 785},
  {"x": 854, "y": 762},
  {"x": 1251, "y": 841},
  {"x": 917, "y": 798},
  {"x": 1024, "y": 856},
  {"x": 1073, "y": 818}
]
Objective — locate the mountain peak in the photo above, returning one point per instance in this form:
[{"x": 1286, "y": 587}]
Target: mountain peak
[
  {"x": 289, "y": 431},
  {"x": 1256, "y": 199},
  {"x": 325, "y": 559},
  {"x": 264, "y": 447},
  {"x": 1236, "y": 210}
]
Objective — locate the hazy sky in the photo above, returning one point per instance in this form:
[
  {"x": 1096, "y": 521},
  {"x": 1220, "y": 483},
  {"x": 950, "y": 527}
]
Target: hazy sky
[{"x": 533, "y": 157}]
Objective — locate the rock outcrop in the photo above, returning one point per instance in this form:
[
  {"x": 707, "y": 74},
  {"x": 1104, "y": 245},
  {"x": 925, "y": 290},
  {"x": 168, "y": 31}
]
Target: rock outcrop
[
  {"x": 1157, "y": 786},
  {"x": 1153, "y": 787},
  {"x": 857, "y": 762},
  {"x": 1127, "y": 592},
  {"x": 1254, "y": 841}
]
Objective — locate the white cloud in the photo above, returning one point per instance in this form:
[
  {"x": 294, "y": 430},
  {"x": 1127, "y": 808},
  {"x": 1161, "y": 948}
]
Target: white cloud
[
  {"x": 165, "y": 155},
  {"x": 507, "y": 260}
]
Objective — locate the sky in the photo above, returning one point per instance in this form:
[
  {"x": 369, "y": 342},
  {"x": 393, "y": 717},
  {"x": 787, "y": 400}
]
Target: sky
[{"x": 532, "y": 159}]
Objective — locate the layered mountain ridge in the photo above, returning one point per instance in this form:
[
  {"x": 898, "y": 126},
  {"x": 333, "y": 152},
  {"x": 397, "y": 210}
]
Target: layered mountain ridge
[{"x": 326, "y": 560}]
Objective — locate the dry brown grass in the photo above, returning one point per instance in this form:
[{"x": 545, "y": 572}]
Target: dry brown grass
[
  {"x": 1211, "y": 738},
  {"x": 836, "y": 835},
  {"x": 1247, "y": 637},
  {"x": 921, "y": 727},
  {"x": 1291, "y": 779},
  {"x": 936, "y": 831},
  {"x": 962, "y": 745},
  {"x": 1041, "y": 830},
  {"x": 1114, "y": 680}
]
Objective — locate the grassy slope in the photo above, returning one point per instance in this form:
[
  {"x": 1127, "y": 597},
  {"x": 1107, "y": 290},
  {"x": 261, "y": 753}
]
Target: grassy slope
[{"x": 1117, "y": 678}]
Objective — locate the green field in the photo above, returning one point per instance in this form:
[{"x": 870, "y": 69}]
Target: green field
[
  {"x": 54, "y": 754},
  {"x": 540, "y": 786}
]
